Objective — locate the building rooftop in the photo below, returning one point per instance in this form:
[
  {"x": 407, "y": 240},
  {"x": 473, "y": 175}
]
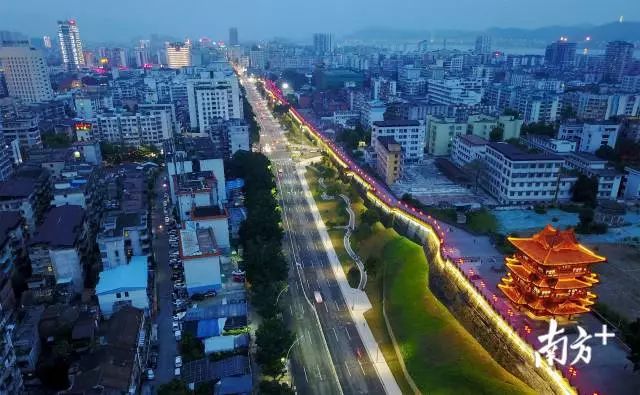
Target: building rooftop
[
  {"x": 396, "y": 123},
  {"x": 196, "y": 241},
  {"x": 516, "y": 154},
  {"x": 61, "y": 227},
  {"x": 194, "y": 148},
  {"x": 587, "y": 156},
  {"x": 389, "y": 143},
  {"x": 472, "y": 139},
  {"x": 124, "y": 277},
  {"x": 114, "y": 225},
  {"x": 202, "y": 212},
  {"x": 16, "y": 188}
]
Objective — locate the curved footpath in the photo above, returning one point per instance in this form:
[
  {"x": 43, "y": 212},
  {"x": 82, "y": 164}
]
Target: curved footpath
[{"x": 347, "y": 243}]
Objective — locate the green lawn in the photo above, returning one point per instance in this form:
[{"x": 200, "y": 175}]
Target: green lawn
[
  {"x": 440, "y": 355},
  {"x": 333, "y": 212}
]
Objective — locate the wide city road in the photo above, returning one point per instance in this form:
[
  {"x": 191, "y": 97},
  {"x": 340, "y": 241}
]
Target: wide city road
[{"x": 330, "y": 346}]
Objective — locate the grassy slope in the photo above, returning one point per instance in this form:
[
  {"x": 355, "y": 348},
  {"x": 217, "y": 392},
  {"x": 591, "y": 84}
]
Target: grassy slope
[{"x": 441, "y": 356}]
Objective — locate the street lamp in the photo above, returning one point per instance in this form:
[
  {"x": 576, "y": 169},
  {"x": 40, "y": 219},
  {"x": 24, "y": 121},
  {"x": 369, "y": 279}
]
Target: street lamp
[{"x": 285, "y": 85}]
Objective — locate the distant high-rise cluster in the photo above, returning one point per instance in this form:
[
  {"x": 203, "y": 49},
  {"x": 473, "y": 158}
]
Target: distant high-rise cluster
[
  {"x": 618, "y": 59},
  {"x": 233, "y": 36},
  {"x": 323, "y": 43},
  {"x": 561, "y": 54},
  {"x": 26, "y": 73},
  {"x": 483, "y": 44},
  {"x": 70, "y": 44}
]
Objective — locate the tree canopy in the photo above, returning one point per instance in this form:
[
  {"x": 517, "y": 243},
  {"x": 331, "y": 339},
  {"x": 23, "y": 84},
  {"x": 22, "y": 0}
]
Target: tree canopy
[
  {"x": 273, "y": 340},
  {"x": 585, "y": 190}
]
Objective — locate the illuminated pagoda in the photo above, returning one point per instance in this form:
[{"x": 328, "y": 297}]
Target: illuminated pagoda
[{"x": 549, "y": 274}]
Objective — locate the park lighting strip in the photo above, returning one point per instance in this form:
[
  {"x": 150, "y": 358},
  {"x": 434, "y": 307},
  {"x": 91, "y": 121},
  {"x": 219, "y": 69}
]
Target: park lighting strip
[{"x": 526, "y": 351}]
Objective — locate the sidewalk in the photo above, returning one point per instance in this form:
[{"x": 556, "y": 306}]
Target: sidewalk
[
  {"x": 347, "y": 243},
  {"x": 357, "y": 300}
]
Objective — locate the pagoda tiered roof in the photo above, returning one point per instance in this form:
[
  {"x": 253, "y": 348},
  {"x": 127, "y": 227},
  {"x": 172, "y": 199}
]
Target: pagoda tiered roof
[
  {"x": 549, "y": 274},
  {"x": 551, "y": 247}
]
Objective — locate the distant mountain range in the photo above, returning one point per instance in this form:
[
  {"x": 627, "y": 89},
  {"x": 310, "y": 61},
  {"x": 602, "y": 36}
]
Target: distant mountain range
[{"x": 629, "y": 31}]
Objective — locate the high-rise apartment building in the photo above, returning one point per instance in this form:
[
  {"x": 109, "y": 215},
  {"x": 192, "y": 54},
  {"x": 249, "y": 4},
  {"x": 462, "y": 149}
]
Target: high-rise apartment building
[
  {"x": 25, "y": 73},
  {"x": 178, "y": 55},
  {"x": 561, "y": 54},
  {"x": 483, "y": 44},
  {"x": 618, "y": 57},
  {"x": 215, "y": 97},
  {"x": 323, "y": 43},
  {"x": 70, "y": 44},
  {"x": 233, "y": 36}
]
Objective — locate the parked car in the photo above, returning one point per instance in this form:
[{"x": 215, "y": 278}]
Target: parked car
[
  {"x": 150, "y": 374},
  {"x": 178, "y": 335},
  {"x": 178, "y": 361},
  {"x": 176, "y": 372}
]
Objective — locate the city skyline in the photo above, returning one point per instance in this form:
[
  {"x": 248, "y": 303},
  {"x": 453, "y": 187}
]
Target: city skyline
[{"x": 333, "y": 16}]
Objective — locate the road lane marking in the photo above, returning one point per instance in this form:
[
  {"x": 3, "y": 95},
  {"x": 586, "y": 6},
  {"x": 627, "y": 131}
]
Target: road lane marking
[
  {"x": 305, "y": 373},
  {"x": 325, "y": 307},
  {"x": 336, "y": 303},
  {"x": 361, "y": 368},
  {"x": 347, "y": 330},
  {"x": 291, "y": 310},
  {"x": 319, "y": 374},
  {"x": 310, "y": 339},
  {"x": 335, "y": 334},
  {"x": 347, "y": 366}
]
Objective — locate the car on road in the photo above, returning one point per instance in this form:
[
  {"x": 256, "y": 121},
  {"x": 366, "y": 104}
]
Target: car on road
[
  {"x": 150, "y": 374},
  {"x": 318, "y": 296},
  {"x": 176, "y": 372},
  {"x": 178, "y": 335},
  {"x": 178, "y": 361}
]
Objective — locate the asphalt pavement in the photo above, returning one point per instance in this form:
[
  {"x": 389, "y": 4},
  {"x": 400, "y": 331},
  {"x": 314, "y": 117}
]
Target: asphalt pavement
[
  {"x": 166, "y": 340},
  {"x": 329, "y": 356}
]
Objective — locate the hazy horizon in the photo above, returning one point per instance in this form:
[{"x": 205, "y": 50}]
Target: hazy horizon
[{"x": 120, "y": 20}]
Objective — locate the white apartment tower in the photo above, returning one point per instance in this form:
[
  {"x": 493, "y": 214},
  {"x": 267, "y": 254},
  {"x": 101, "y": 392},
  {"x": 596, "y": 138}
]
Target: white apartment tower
[
  {"x": 70, "y": 44},
  {"x": 217, "y": 96},
  {"x": 26, "y": 73}
]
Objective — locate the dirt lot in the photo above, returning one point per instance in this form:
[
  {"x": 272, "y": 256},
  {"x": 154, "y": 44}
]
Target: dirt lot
[{"x": 619, "y": 286}]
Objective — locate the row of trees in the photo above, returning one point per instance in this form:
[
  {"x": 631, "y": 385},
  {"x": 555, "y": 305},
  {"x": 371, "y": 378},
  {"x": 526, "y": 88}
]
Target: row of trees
[{"x": 261, "y": 238}]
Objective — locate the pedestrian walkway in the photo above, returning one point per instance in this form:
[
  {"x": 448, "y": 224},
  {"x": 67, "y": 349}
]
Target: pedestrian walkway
[
  {"x": 347, "y": 243},
  {"x": 357, "y": 300}
]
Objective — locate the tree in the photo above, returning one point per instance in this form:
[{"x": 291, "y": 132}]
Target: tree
[
  {"x": 475, "y": 168},
  {"x": 370, "y": 217},
  {"x": 496, "y": 134},
  {"x": 607, "y": 153},
  {"x": 191, "y": 347},
  {"x": 632, "y": 339},
  {"x": 567, "y": 112},
  {"x": 586, "y": 216},
  {"x": 371, "y": 265},
  {"x": 540, "y": 128},
  {"x": 511, "y": 112},
  {"x": 295, "y": 79},
  {"x": 56, "y": 140},
  {"x": 174, "y": 387},
  {"x": 273, "y": 340},
  {"x": 268, "y": 387},
  {"x": 204, "y": 388},
  {"x": 585, "y": 190}
]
